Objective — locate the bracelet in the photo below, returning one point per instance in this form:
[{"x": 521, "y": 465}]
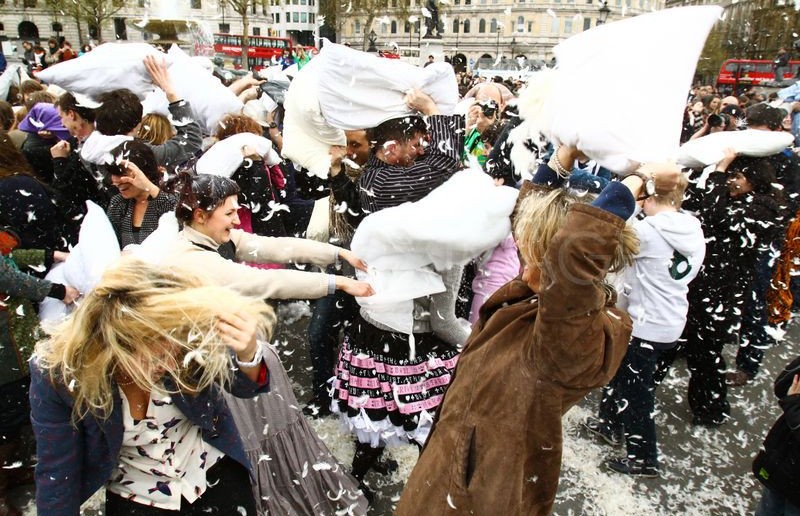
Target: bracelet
[
  {"x": 560, "y": 169},
  {"x": 259, "y": 356}
]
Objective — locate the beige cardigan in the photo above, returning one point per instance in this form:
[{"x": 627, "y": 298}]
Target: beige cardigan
[{"x": 262, "y": 283}]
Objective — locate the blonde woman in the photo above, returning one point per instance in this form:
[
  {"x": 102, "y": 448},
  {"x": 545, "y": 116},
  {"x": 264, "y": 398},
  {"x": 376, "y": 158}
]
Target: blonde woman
[
  {"x": 541, "y": 343},
  {"x": 126, "y": 394}
]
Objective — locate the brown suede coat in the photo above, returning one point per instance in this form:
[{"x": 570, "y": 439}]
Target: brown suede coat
[{"x": 496, "y": 445}]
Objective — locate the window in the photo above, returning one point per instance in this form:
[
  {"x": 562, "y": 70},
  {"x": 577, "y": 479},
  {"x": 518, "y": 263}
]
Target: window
[
  {"x": 568, "y": 26},
  {"x": 141, "y": 3},
  {"x": 394, "y": 3},
  {"x": 384, "y": 28},
  {"x": 120, "y": 29},
  {"x": 482, "y": 26},
  {"x": 304, "y": 17},
  {"x": 407, "y": 28},
  {"x": 554, "y": 25},
  {"x": 2, "y": 27},
  {"x": 520, "y": 24},
  {"x": 197, "y": 4},
  {"x": 530, "y": 26},
  {"x": 493, "y": 25},
  {"x": 29, "y": 3},
  {"x": 467, "y": 2},
  {"x": 455, "y": 26},
  {"x": 358, "y": 26},
  {"x": 303, "y": 2},
  {"x": 394, "y": 26},
  {"x": 311, "y": 17},
  {"x": 295, "y": 17},
  {"x": 466, "y": 26},
  {"x": 256, "y": 31},
  {"x": 587, "y": 23},
  {"x": 277, "y": 17},
  {"x": 457, "y": 2}
]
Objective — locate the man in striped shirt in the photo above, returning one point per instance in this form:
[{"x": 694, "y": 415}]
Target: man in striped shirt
[{"x": 410, "y": 156}]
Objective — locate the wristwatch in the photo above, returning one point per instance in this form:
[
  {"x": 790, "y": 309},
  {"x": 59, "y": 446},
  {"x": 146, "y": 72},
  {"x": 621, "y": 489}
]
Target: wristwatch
[
  {"x": 272, "y": 125},
  {"x": 648, "y": 184}
]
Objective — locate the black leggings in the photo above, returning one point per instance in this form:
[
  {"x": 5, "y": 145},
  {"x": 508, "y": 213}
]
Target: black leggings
[{"x": 229, "y": 491}]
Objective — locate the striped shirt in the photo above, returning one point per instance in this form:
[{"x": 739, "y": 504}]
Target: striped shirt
[
  {"x": 383, "y": 185},
  {"x": 120, "y": 213}
]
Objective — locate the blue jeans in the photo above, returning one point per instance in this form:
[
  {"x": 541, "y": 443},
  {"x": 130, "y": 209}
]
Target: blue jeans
[
  {"x": 628, "y": 401},
  {"x": 775, "y": 504},
  {"x": 329, "y": 315}
]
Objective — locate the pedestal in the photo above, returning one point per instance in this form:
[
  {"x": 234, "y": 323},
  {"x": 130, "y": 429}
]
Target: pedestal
[{"x": 430, "y": 47}]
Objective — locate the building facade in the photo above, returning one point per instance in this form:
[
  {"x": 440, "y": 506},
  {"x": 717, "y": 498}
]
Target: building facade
[
  {"x": 490, "y": 30},
  {"x": 33, "y": 20}
]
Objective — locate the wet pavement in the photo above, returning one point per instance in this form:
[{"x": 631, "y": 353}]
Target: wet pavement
[{"x": 703, "y": 471}]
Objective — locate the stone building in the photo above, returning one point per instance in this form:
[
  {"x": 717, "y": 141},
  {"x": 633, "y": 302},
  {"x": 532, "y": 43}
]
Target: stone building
[
  {"x": 34, "y": 20},
  {"x": 480, "y": 31}
]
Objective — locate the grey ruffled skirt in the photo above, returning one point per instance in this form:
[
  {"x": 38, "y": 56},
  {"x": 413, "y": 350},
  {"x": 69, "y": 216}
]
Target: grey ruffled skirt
[{"x": 295, "y": 472}]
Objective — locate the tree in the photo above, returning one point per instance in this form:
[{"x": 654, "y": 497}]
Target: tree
[
  {"x": 336, "y": 11},
  {"x": 94, "y": 12},
  {"x": 241, "y": 7}
]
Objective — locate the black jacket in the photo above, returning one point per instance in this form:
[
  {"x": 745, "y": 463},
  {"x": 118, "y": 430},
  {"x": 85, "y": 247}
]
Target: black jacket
[{"x": 777, "y": 465}]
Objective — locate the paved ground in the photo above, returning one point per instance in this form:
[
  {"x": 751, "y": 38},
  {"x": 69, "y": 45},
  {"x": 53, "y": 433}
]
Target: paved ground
[{"x": 704, "y": 471}]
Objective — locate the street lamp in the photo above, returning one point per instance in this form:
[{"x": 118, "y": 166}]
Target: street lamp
[
  {"x": 412, "y": 20},
  {"x": 499, "y": 26},
  {"x": 604, "y": 12}
]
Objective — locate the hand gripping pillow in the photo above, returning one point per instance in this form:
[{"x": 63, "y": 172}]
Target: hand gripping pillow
[
  {"x": 210, "y": 100},
  {"x": 108, "y": 67},
  {"x": 224, "y": 157},
  {"x": 358, "y": 90}
]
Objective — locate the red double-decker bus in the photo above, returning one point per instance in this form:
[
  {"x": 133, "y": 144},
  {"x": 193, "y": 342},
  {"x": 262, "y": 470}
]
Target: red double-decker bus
[
  {"x": 261, "y": 49},
  {"x": 750, "y": 72}
]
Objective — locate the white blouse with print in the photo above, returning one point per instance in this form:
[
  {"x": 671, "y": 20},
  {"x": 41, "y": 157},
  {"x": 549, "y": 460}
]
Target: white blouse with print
[{"x": 163, "y": 456}]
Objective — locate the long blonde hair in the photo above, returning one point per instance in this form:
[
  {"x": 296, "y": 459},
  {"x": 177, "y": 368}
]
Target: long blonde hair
[
  {"x": 541, "y": 215},
  {"x": 135, "y": 314}
]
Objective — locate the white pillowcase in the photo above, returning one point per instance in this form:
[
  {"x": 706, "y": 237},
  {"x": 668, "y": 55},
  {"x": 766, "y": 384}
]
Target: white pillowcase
[
  {"x": 210, "y": 100},
  {"x": 224, "y": 157},
  {"x": 620, "y": 88},
  {"x": 752, "y": 142},
  {"x": 307, "y": 136},
  {"x": 97, "y": 248},
  {"x": 110, "y": 66},
  {"x": 359, "y": 90}
]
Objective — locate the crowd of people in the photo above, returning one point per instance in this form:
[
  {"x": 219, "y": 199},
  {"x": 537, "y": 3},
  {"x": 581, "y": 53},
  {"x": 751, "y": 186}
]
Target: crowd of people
[{"x": 163, "y": 388}]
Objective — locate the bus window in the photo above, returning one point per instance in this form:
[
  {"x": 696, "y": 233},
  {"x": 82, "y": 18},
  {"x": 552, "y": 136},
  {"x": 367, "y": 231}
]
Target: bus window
[{"x": 730, "y": 67}]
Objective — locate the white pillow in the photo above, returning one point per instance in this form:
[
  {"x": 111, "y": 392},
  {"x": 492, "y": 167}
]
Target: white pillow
[
  {"x": 359, "y": 90},
  {"x": 53, "y": 310},
  {"x": 752, "y": 142},
  {"x": 210, "y": 100},
  {"x": 159, "y": 242},
  {"x": 224, "y": 157},
  {"x": 110, "y": 66},
  {"x": 97, "y": 248},
  {"x": 307, "y": 136},
  {"x": 621, "y": 87},
  {"x": 13, "y": 75},
  {"x": 97, "y": 147}
]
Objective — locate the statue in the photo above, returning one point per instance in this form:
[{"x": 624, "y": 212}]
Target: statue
[{"x": 433, "y": 25}]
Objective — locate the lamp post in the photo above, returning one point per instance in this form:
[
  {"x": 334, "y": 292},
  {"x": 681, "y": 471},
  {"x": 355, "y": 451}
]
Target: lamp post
[
  {"x": 604, "y": 12},
  {"x": 498, "y": 27},
  {"x": 412, "y": 21}
]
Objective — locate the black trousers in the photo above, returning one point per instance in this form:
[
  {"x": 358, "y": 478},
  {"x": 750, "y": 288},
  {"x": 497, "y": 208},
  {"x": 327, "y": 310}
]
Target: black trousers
[{"x": 229, "y": 493}]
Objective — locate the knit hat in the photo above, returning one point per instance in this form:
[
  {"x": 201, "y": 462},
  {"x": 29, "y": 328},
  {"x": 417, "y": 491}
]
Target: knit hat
[{"x": 44, "y": 117}]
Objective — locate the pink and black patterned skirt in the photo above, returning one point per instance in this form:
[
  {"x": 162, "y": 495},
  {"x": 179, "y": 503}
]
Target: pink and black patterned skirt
[{"x": 381, "y": 393}]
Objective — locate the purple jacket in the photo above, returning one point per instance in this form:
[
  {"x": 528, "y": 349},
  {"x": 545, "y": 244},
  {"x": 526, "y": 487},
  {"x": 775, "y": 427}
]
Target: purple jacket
[{"x": 77, "y": 460}]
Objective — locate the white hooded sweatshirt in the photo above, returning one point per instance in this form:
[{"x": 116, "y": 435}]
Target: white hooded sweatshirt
[{"x": 654, "y": 288}]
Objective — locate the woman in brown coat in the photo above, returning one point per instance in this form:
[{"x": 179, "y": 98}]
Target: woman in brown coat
[{"x": 542, "y": 342}]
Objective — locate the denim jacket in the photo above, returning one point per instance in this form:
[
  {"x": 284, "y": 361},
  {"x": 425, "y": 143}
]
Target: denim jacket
[{"x": 75, "y": 460}]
